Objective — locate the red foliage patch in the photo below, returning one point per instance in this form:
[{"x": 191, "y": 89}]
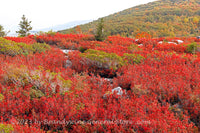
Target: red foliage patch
[{"x": 160, "y": 92}]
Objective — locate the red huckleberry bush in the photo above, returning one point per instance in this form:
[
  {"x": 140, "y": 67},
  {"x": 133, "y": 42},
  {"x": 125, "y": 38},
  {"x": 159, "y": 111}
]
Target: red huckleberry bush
[{"x": 118, "y": 85}]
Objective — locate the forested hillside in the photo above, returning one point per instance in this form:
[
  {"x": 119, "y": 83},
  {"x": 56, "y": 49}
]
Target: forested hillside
[{"x": 161, "y": 18}]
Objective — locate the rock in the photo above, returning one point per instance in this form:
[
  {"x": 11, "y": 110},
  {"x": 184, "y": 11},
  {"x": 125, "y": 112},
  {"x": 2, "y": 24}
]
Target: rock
[
  {"x": 179, "y": 41},
  {"x": 68, "y": 64},
  {"x": 160, "y": 42},
  {"x": 118, "y": 91},
  {"x": 198, "y": 37},
  {"x": 109, "y": 80},
  {"x": 66, "y": 51},
  {"x": 172, "y": 43}
]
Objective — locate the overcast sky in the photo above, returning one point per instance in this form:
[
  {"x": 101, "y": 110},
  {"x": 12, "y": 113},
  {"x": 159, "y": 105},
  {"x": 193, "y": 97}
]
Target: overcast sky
[{"x": 47, "y": 13}]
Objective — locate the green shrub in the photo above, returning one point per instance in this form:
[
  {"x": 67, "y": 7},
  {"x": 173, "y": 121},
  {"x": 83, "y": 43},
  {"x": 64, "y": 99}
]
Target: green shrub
[
  {"x": 1, "y": 97},
  {"x": 9, "y": 49},
  {"x": 36, "y": 93},
  {"x": 133, "y": 58},
  {"x": 82, "y": 50},
  {"x": 50, "y": 32},
  {"x": 102, "y": 59},
  {"x": 192, "y": 48},
  {"x": 39, "y": 47},
  {"x": 12, "y": 48},
  {"x": 134, "y": 48},
  {"x": 24, "y": 47},
  {"x": 6, "y": 128}
]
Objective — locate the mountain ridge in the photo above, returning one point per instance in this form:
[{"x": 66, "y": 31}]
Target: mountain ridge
[
  {"x": 54, "y": 28},
  {"x": 65, "y": 25},
  {"x": 159, "y": 18}
]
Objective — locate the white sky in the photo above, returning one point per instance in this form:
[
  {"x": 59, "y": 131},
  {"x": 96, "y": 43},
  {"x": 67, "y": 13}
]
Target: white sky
[{"x": 47, "y": 13}]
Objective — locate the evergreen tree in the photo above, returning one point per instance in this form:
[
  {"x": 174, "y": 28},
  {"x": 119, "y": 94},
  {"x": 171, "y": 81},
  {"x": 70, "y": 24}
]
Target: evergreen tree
[
  {"x": 2, "y": 32},
  {"x": 25, "y": 27},
  {"x": 99, "y": 33}
]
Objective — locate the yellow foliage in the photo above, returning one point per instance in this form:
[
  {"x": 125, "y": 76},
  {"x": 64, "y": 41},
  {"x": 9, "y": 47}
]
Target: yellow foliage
[
  {"x": 6, "y": 128},
  {"x": 39, "y": 78},
  {"x": 103, "y": 60},
  {"x": 12, "y": 48},
  {"x": 1, "y": 97}
]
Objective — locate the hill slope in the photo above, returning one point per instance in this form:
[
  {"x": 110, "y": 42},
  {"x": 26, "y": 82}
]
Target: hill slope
[{"x": 159, "y": 18}]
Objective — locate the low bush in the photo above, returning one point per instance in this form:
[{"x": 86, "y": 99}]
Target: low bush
[
  {"x": 133, "y": 58},
  {"x": 39, "y": 79},
  {"x": 6, "y": 128},
  {"x": 12, "y": 48},
  {"x": 101, "y": 59},
  {"x": 192, "y": 48}
]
